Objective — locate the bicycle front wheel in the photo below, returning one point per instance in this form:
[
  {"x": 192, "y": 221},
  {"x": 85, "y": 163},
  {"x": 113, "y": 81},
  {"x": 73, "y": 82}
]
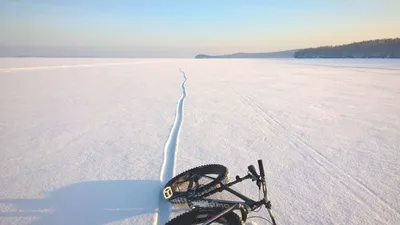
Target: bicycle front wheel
[
  {"x": 202, "y": 215},
  {"x": 196, "y": 182}
]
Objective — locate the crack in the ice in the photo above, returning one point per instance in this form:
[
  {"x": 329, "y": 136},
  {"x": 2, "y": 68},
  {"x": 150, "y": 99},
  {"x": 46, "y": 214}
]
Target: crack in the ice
[{"x": 170, "y": 149}]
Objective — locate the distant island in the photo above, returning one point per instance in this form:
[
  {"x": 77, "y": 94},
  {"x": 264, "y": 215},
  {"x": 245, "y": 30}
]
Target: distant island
[
  {"x": 281, "y": 54},
  {"x": 381, "y": 48}
]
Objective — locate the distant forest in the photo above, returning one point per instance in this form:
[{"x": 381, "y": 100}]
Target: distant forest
[{"x": 382, "y": 48}]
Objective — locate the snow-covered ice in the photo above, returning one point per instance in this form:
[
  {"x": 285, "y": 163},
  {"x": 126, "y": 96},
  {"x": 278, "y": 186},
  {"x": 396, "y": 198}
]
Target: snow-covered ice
[{"x": 88, "y": 141}]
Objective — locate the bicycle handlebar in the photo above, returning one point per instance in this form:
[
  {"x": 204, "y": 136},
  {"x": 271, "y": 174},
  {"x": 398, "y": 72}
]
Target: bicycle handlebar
[
  {"x": 266, "y": 201},
  {"x": 261, "y": 167},
  {"x": 252, "y": 170}
]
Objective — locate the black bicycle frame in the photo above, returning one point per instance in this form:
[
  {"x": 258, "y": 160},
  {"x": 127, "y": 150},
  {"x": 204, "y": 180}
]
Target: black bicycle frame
[
  {"x": 229, "y": 206},
  {"x": 221, "y": 187}
]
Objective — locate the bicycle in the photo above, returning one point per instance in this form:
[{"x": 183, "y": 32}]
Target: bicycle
[{"x": 206, "y": 211}]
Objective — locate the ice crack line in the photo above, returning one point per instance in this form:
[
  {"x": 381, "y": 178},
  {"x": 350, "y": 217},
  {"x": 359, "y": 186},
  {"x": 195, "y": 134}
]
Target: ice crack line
[{"x": 170, "y": 149}]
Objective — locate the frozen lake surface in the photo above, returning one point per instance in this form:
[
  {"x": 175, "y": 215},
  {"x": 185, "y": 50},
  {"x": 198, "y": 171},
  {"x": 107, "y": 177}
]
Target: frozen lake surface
[{"x": 92, "y": 141}]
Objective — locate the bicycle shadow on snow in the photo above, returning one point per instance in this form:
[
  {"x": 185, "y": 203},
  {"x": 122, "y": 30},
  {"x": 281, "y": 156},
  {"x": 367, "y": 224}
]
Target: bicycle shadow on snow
[{"x": 95, "y": 202}]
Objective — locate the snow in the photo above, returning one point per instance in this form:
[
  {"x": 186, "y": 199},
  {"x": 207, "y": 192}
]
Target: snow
[{"x": 92, "y": 141}]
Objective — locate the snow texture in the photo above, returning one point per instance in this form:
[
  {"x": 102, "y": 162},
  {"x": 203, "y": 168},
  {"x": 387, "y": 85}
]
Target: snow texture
[{"x": 93, "y": 141}]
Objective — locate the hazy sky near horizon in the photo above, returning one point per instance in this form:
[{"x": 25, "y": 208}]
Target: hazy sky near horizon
[{"x": 180, "y": 28}]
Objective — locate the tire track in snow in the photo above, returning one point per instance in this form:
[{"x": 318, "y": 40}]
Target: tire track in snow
[
  {"x": 170, "y": 149},
  {"x": 316, "y": 156}
]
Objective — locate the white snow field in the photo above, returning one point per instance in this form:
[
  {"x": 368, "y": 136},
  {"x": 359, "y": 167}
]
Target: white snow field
[{"x": 92, "y": 141}]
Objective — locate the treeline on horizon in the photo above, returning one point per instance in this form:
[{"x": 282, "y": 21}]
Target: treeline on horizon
[{"x": 382, "y": 48}]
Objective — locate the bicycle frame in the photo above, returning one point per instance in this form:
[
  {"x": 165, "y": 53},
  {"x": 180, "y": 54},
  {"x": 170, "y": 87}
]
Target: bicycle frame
[
  {"x": 227, "y": 205},
  {"x": 244, "y": 207},
  {"x": 230, "y": 206}
]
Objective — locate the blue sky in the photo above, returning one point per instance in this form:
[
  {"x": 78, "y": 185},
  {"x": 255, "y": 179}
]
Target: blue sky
[{"x": 185, "y": 28}]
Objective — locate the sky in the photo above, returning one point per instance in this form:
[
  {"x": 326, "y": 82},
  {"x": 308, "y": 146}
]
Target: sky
[{"x": 184, "y": 28}]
